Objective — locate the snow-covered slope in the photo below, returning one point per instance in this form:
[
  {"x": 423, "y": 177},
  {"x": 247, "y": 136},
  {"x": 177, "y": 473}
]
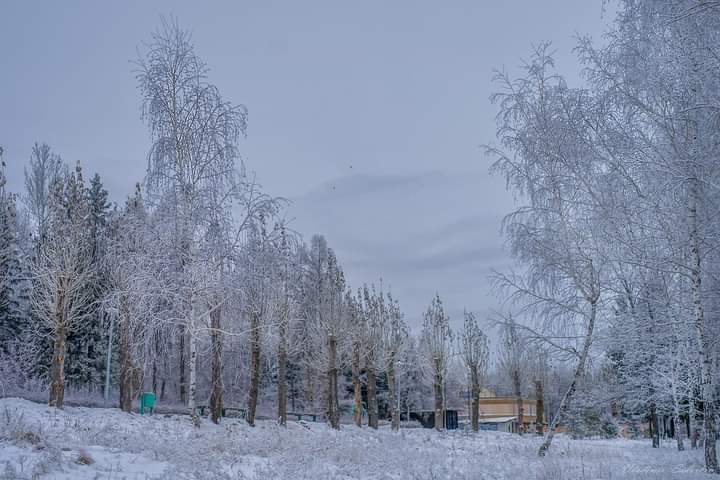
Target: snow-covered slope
[{"x": 41, "y": 442}]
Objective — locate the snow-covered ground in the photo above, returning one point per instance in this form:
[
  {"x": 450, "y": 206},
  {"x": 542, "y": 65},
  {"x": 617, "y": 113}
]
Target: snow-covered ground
[{"x": 94, "y": 443}]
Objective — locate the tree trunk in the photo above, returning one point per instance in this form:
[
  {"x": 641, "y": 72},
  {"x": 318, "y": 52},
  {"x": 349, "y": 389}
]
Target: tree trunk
[
  {"x": 704, "y": 342},
  {"x": 153, "y": 382},
  {"x": 332, "y": 391},
  {"x": 475, "y": 400},
  {"x": 393, "y": 394},
  {"x": 126, "y": 361},
  {"x": 691, "y": 421},
  {"x": 654, "y": 426},
  {"x": 357, "y": 387},
  {"x": 309, "y": 394},
  {"x": 438, "y": 390},
  {"x": 254, "y": 367},
  {"x": 216, "y": 392},
  {"x": 57, "y": 371},
  {"x": 155, "y": 369},
  {"x": 108, "y": 360},
  {"x": 282, "y": 371},
  {"x": 518, "y": 400},
  {"x": 540, "y": 407},
  {"x": 372, "y": 404},
  {"x": 192, "y": 373},
  {"x": 164, "y": 377},
  {"x": 565, "y": 401},
  {"x": 181, "y": 352},
  {"x": 677, "y": 423}
]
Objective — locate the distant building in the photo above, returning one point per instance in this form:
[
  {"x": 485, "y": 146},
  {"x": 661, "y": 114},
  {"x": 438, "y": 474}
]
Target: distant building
[
  {"x": 501, "y": 413},
  {"x": 498, "y": 424},
  {"x": 427, "y": 418}
]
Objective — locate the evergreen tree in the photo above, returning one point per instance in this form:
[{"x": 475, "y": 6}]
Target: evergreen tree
[
  {"x": 85, "y": 343},
  {"x": 14, "y": 301},
  {"x": 94, "y": 343}
]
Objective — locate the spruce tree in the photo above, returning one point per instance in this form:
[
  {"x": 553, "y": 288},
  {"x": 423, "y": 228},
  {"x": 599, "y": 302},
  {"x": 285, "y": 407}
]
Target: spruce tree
[
  {"x": 85, "y": 343},
  {"x": 13, "y": 282}
]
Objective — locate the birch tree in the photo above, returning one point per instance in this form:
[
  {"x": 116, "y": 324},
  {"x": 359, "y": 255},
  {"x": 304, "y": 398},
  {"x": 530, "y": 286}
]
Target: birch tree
[
  {"x": 191, "y": 164},
  {"x": 659, "y": 68},
  {"x": 45, "y": 169},
  {"x": 553, "y": 167}
]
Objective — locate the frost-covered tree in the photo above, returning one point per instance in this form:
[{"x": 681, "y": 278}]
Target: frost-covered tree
[
  {"x": 14, "y": 287},
  {"x": 436, "y": 343},
  {"x": 257, "y": 302},
  {"x": 395, "y": 333},
  {"x": 356, "y": 338},
  {"x": 324, "y": 320},
  {"x": 332, "y": 325},
  {"x": 192, "y": 168},
  {"x": 284, "y": 308},
  {"x": 514, "y": 364},
  {"x": 373, "y": 309},
  {"x": 86, "y": 348},
  {"x": 414, "y": 391},
  {"x": 129, "y": 298},
  {"x": 539, "y": 367},
  {"x": 618, "y": 182},
  {"x": 61, "y": 295},
  {"x": 475, "y": 358},
  {"x": 657, "y": 72},
  {"x": 44, "y": 170},
  {"x": 552, "y": 164}
]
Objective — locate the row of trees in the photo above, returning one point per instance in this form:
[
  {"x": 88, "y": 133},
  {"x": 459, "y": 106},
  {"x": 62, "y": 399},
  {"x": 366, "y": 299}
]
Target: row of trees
[
  {"x": 617, "y": 232},
  {"x": 96, "y": 297}
]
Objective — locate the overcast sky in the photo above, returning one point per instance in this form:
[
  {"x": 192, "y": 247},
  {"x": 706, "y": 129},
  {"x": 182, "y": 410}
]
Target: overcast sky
[{"x": 368, "y": 115}]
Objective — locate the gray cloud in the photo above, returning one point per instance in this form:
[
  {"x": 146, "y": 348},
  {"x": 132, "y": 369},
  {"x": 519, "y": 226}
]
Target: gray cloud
[{"x": 413, "y": 231}]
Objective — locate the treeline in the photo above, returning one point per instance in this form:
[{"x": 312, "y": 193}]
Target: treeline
[{"x": 108, "y": 299}]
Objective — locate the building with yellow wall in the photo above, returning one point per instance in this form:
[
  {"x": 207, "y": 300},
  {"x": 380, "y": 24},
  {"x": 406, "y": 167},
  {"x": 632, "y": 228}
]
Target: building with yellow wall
[{"x": 501, "y": 413}]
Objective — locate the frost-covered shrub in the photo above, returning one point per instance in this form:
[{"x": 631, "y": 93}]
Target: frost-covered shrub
[
  {"x": 588, "y": 422},
  {"x": 15, "y": 429},
  {"x": 17, "y": 370}
]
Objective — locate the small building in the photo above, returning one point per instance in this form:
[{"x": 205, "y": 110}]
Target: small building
[
  {"x": 498, "y": 411},
  {"x": 427, "y": 418},
  {"x": 497, "y": 424}
]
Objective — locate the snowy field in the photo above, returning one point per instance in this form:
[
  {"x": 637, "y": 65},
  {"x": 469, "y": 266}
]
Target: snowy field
[{"x": 94, "y": 443}]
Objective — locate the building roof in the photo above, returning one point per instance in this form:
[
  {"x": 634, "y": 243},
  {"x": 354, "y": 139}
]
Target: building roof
[
  {"x": 488, "y": 400},
  {"x": 497, "y": 419}
]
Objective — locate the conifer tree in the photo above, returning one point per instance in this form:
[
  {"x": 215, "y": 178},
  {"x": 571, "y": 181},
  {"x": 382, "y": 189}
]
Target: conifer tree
[{"x": 14, "y": 300}]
